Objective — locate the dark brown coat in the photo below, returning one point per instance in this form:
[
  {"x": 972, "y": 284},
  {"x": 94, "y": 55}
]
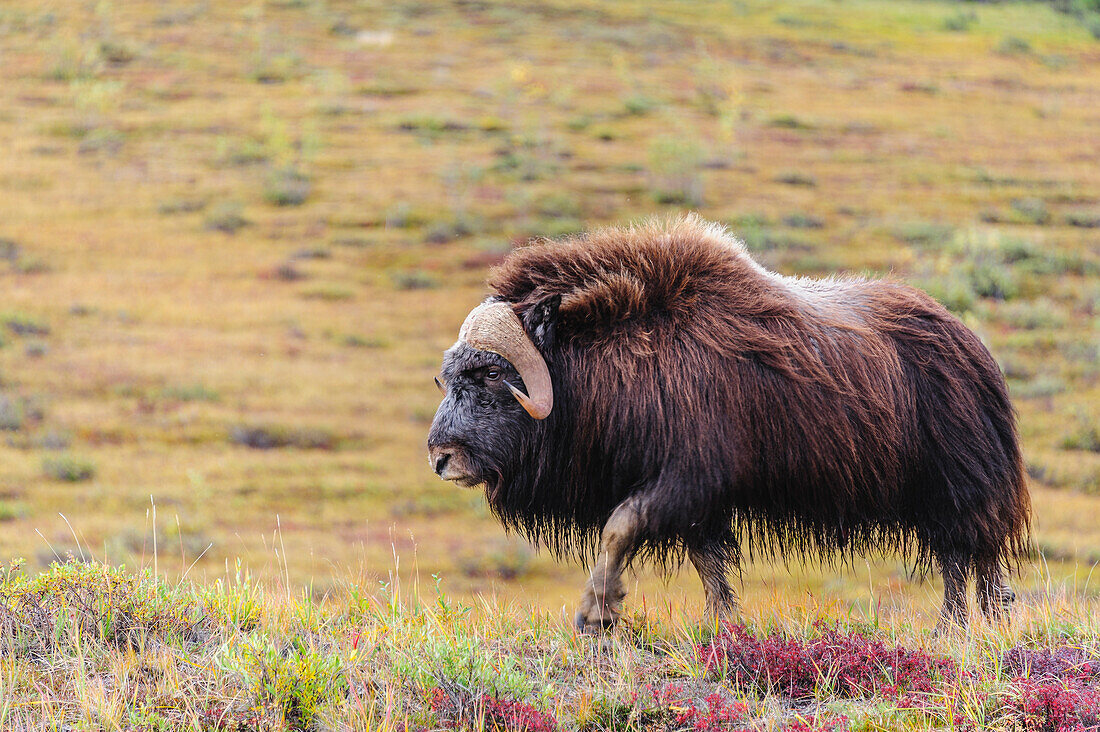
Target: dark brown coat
[{"x": 756, "y": 413}]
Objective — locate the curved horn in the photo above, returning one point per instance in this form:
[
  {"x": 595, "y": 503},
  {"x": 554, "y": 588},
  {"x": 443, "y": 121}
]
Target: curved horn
[{"x": 494, "y": 327}]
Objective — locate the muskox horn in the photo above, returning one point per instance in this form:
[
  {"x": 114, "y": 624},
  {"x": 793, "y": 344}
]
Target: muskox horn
[{"x": 494, "y": 327}]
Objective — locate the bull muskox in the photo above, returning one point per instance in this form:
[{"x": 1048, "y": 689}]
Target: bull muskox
[{"x": 655, "y": 392}]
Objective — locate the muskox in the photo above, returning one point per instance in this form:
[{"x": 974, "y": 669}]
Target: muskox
[{"x": 655, "y": 392}]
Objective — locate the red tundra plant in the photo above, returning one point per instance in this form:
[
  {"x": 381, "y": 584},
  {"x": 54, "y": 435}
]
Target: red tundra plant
[
  {"x": 848, "y": 664},
  {"x": 1055, "y": 706},
  {"x": 459, "y": 709},
  {"x": 1057, "y": 662},
  {"x": 714, "y": 713},
  {"x": 817, "y": 724},
  {"x": 718, "y": 713}
]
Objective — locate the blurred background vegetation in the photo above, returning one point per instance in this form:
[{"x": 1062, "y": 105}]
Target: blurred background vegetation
[{"x": 236, "y": 237}]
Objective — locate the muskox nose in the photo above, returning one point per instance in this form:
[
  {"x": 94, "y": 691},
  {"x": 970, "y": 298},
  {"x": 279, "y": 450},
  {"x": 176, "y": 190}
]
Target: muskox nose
[{"x": 438, "y": 458}]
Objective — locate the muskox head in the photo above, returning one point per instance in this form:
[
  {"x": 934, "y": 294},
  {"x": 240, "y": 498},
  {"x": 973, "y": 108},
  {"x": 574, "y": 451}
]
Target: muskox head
[{"x": 496, "y": 389}]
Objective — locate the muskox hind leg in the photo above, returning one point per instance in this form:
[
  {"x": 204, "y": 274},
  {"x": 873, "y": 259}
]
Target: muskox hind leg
[
  {"x": 954, "y": 570},
  {"x": 994, "y": 594},
  {"x": 603, "y": 595},
  {"x": 713, "y": 568}
]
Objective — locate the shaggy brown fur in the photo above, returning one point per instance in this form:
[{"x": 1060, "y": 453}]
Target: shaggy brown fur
[{"x": 747, "y": 412}]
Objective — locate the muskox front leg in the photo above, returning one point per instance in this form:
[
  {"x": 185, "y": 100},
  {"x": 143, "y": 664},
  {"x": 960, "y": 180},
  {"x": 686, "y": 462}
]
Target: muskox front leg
[
  {"x": 603, "y": 595},
  {"x": 713, "y": 568},
  {"x": 994, "y": 594}
]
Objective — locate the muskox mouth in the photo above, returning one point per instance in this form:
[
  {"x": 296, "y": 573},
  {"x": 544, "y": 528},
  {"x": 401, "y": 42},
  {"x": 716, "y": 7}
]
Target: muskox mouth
[
  {"x": 463, "y": 480},
  {"x": 450, "y": 463}
]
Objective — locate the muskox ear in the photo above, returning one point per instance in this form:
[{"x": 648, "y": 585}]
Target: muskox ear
[{"x": 540, "y": 320}]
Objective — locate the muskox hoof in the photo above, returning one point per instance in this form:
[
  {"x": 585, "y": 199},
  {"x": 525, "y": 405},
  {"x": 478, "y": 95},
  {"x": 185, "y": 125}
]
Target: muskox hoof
[{"x": 592, "y": 627}]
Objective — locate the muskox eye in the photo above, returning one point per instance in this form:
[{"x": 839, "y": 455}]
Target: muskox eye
[{"x": 492, "y": 375}]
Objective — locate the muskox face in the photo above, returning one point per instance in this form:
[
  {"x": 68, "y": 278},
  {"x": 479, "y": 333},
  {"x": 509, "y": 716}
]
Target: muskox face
[{"x": 496, "y": 387}]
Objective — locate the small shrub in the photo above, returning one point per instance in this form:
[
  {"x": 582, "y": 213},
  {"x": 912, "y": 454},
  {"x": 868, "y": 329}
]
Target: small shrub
[
  {"x": 287, "y": 186},
  {"x": 110, "y": 607},
  {"x": 803, "y": 221},
  {"x": 579, "y": 123},
  {"x": 329, "y": 292},
  {"x": 844, "y": 664},
  {"x": 24, "y": 325},
  {"x": 795, "y": 178},
  {"x": 952, "y": 290},
  {"x": 605, "y": 133},
  {"x": 68, "y": 468},
  {"x": 456, "y": 708},
  {"x": 9, "y": 250},
  {"x": 415, "y": 280},
  {"x": 559, "y": 227},
  {"x": 289, "y": 272},
  {"x": 505, "y": 560},
  {"x": 431, "y": 125},
  {"x": 53, "y": 440},
  {"x": 1083, "y": 218},
  {"x": 638, "y": 105},
  {"x": 960, "y": 22},
  {"x": 117, "y": 52},
  {"x": 296, "y": 677},
  {"x": 1013, "y": 46},
  {"x": 237, "y": 602},
  {"x": 11, "y": 413},
  {"x": 1031, "y": 211},
  {"x": 403, "y": 216},
  {"x": 1056, "y": 705},
  {"x": 752, "y": 219},
  {"x": 789, "y": 122},
  {"x": 12, "y": 511},
  {"x": 101, "y": 139},
  {"x": 358, "y": 341},
  {"x": 558, "y": 204},
  {"x": 1014, "y": 250},
  {"x": 354, "y": 242},
  {"x": 674, "y": 170},
  {"x": 240, "y": 154},
  {"x": 993, "y": 280},
  {"x": 450, "y": 229},
  {"x": 226, "y": 217},
  {"x": 276, "y": 68},
  {"x": 1040, "y": 387},
  {"x": 1057, "y": 662},
  {"x": 1085, "y": 436},
  {"x": 312, "y": 253},
  {"x": 190, "y": 393},
  {"x": 524, "y": 165},
  {"x": 270, "y": 437},
  {"x": 180, "y": 206},
  {"x": 924, "y": 234},
  {"x": 1042, "y": 313}
]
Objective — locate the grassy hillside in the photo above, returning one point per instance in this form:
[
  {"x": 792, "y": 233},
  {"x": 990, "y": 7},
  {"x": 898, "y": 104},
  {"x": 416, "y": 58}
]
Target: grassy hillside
[
  {"x": 237, "y": 237},
  {"x": 89, "y": 647}
]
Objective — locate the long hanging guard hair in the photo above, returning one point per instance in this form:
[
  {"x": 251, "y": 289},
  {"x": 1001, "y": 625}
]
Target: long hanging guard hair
[{"x": 760, "y": 414}]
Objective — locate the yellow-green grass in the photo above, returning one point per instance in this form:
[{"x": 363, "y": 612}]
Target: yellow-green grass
[{"x": 855, "y": 137}]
